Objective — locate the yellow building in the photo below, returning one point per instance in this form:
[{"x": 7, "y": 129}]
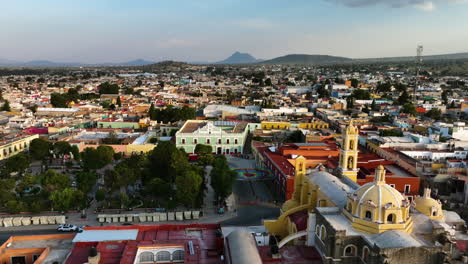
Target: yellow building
[
  {"x": 275, "y": 125},
  {"x": 377, "y": 207},
  {"x": 11, "y": 147},
  {"x": 372, "y": 223},
  {"x": 347, "y": 165}
]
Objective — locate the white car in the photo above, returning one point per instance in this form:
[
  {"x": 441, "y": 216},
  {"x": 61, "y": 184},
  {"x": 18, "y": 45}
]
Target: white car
[{"x": 67, "y": 228}]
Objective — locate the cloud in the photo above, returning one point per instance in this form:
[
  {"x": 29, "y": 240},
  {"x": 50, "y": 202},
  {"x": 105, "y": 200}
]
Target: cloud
[{"x": 426, "y": 5}]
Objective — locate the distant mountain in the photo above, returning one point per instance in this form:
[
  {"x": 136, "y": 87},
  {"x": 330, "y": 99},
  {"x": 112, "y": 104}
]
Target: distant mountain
[
  {"x": 239, "y": 58},
  {"x": 452, "y": 56},
  {"x": 46, "y": 63},
  {"x": 137, "y": 62},
  {"x": 307, "y": 59}
]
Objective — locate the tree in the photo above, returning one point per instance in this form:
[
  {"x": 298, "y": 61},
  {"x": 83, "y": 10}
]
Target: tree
[
  {"x": 16, "y": 163},
  {"x": 222, "y": 178},
  {"x": 39, "y": 148},
  {"x": 349, "y": 102},
  {"x": 361, "y": 94},
  {"x": 158, "y": 187},
  {"x": 14, "y": 207},
  {"x": 85, "y": 181},
  {"x": 374, "y": 106},
  {"x": 434, "y": 113},
  {"x": 62, "y": 200},
  {"x": 94, "y": 159},
  {"x": 119, "y": 103},
  {"x": 205, "y": 153},
  {"x": 107, "y": 88},
  {"x": 53, "y": 180},
  {"x": 444, "y": 97},
  {"x": 403, "y": 98},
  {"x": 6, "y": 106},
  {"x": 354, "y": 83},
  {"x": 188, "y": 186},
  {"x": 409, "y": 108},
  {"x": 268, "y": 82},
  {"x": 295, "y": 137},
  {"x": 62, "y": 148},
  {"x": 100, "y": 195},
  {"x": 58, "y": 100}
]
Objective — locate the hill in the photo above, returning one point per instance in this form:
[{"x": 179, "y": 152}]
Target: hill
[
  {"x": 307, "y": 59},
  {"x": 239, "y": 58}
]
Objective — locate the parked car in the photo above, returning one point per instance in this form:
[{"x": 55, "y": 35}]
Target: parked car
[{"x": 67, "y": 228}]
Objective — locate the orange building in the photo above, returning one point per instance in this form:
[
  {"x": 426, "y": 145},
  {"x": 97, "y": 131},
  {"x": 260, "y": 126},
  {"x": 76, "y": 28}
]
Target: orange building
[{"x": 36, "y": 249}]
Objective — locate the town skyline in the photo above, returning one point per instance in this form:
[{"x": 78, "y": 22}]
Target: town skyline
[{"x": 212, "y": 30}]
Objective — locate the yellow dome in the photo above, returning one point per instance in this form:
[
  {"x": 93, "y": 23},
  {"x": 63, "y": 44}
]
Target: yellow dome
[
  {"x": 379, "y": 194},
  {"x": 429, "y": 206},
  {"x": 289, "y": 204},
  {"x": 378, "y": 202}
]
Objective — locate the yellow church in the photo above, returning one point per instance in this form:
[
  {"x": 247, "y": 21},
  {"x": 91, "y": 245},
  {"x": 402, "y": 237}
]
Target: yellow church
[{"x": 373, "y": 223}]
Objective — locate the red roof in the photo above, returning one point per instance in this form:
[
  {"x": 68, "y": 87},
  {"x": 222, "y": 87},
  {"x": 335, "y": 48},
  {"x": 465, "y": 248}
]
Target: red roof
[{"x": 208, "y": 247}]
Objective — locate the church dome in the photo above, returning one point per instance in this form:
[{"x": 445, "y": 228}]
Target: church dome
[
  {"x": 429, "y": 206},
  {"x": 378, "y": 202}
]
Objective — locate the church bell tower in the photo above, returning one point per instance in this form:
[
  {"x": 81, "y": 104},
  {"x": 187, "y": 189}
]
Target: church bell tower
[{"x": 347, "y": 166}]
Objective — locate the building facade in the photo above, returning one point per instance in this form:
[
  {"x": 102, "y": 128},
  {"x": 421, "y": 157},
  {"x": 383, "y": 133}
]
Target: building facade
[{"x": 225, "y": 137}]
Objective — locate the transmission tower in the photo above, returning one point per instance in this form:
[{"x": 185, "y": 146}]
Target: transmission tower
[{"x": 419, "y": 52}]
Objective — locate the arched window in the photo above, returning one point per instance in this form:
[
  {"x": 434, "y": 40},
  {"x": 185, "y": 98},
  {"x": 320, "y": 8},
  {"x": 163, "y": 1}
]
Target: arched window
[
  {"x": 368, "y": 215},
  {"x": 351, "y": 145},
  {"x": 146, "y": 257},
  {"x": 350, "y": 251},
  {"x": 391, "y": 218},
  {"x": 323, "y": 233},
  {"x": 227, "y": 141},
  {"x": 195, "y": 141},
  {"x": 183, "y": 141},
  {"x": 365, "y": 253},
  {"x": 178, "y": 255},
  {"x": 317, "y": 230},
  {"x": 350, "y": 163},
  {"x": 350, "y": 207},
  {"x": 235, "y": 141},
  {"x": 162, "y": 256}
]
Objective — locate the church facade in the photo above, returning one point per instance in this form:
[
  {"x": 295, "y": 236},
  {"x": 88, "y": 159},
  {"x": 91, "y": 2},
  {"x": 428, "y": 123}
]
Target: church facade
[{"x": 372, "y": 223}]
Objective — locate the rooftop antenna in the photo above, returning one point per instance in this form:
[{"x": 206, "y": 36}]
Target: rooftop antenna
[{"x": 419, "y": 58}]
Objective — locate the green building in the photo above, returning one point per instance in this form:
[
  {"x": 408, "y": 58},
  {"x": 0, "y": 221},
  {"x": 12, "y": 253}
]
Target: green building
[{"x": 225, "y": 137}]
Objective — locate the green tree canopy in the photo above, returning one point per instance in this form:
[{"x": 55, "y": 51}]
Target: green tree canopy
[
  {"x": 52, "y": 180},
  {"x": 6, "y": 106},
  {"x": 16, "y": 163},
  {"x": 39, "y": 148},
  {"x": 409, "y": 108},
  {"x": 188, "y": 186},
  {"x": 58, "y": 100},
  {"x": 107, "y": 88},
  {"x": 222, "y": 178}
]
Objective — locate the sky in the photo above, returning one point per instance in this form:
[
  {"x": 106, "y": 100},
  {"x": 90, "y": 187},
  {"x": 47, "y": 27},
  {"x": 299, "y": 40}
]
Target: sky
[{"x": 97, "y": 31}]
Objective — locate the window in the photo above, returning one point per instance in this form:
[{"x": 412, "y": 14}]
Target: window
[
  {"x": 407, "y": 188},
  {"x": 227, "y": 141},
  {"x": 365, "y": 253},
  {"x": 392, "y": 185},
  {"x": 368, "y": 215},
  {"x": 391, "y": 218},
  {"x": 235, "y": 141},
  {"x": 178, "y": 255},
  {"x": 323, "y": 233},
  {"x": 195, "y": 141},
  {"x": 163, "y": 256},
  {"x": 219, "y": 141},
  {"x": 207, "y": 141},
  {"x": 350, "y": 251},
  {"x": 183, "y": 141},
  {"x": 351, "y": 145},
  {"x": 146, "y": 257},
  {"x": 317, "y": 230}
]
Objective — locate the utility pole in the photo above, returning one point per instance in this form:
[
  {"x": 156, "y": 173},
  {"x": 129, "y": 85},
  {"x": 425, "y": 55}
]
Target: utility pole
[{"x": 419, "y": 52}]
